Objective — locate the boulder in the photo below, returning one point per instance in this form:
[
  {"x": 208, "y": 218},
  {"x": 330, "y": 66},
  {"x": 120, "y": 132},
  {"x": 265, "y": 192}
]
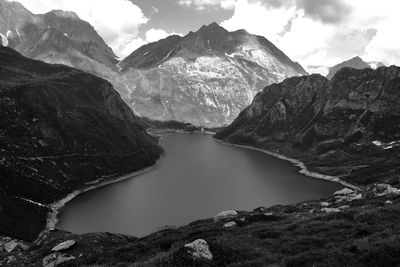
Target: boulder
[
  {"x": 325, "y": 204},
  {"x": 230, "y": 224},
  {"x": 227, "y": 214},
  {"x": 385, "y": 189},
  {"x": 346, "y": 194},
  {"x": 330, "y": 210},
  {"x": 57, "y": 258},
  {"x": 343, "y": 192},
  {"x": 64, "y": 246},
  {"x": 11, "y": 246},
  {"x": 199, "y": 249}
]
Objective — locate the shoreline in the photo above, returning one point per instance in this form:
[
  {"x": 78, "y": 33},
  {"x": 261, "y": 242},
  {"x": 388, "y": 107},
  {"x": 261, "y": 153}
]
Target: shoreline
[
  {"x": 297, "y": 163},
  {"x": 52, "y": 216},
  {"x": 55, "y": 208}
]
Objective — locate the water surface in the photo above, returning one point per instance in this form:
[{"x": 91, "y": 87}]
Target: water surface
[{"x": 198, "y": 178}]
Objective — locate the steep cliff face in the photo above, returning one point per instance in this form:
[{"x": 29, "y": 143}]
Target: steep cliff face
[
  {"x": 205, "y": 78},
  {"x": 348, "y": 126},
  {"x": 60, "y": 128}
]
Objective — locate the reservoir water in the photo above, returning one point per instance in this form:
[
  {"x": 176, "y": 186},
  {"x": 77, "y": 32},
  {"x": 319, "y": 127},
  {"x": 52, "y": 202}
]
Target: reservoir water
[{"x": 198, "y": 178}]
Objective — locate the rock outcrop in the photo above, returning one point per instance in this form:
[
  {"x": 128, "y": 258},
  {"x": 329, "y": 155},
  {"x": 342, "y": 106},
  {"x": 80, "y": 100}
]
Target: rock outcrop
[
  {"x": 227, "y": 214},
  {"x": 56, "y": 259},
  {"x": 199, "y": 249},
  {"x": 64, "y": 246}
]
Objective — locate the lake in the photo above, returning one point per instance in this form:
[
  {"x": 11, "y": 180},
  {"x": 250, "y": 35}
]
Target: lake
[{"x": 198, "y": 178}]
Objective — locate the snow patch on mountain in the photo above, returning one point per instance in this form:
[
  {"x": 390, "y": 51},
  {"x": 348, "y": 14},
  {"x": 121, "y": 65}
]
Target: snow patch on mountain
[{"x": 4, "y": 40}]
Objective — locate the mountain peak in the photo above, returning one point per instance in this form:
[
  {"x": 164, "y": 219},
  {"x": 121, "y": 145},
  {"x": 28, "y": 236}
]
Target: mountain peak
[
  {"x": 64, "y": 14},
  {"x": 355, "y": 63},
  {"x": 213, "y": 27}
]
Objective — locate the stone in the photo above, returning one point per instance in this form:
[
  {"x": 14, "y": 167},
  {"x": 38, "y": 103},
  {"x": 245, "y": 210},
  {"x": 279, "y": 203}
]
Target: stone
[
  {"x": 11, "y": 246},
  {"x": 64, "y": 246},
  {"x": 227, "y": 214},
  {"x": 346, "y": 194},
  {"x": 199, "y": 249},
  {"x": 56, "y": 259},
  {"x": 388, "y": 202},
  {"x": 385, "y": 189},
  {"x": 230, "y": 224},
  {"x": 343, "y": 192},
  {"x": 325, "y": 204},
  {"x": 344, "y": 207},
  {"x": 330, "y": 210}
]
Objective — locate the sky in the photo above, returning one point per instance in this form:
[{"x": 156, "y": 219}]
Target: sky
[{"x": 312, "y": 32}]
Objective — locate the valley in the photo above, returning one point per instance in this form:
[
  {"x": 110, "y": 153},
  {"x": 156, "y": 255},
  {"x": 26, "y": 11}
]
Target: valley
[{"x": 209, "y": 147}]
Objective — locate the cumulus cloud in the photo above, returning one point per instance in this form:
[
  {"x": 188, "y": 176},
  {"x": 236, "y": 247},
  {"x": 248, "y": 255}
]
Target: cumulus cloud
[
  {"x": 117, "y": 21},
  {"x": 154, "y": 35},
  {"x": 325, "y": 10},
  {"x": 324, "y": 32}
]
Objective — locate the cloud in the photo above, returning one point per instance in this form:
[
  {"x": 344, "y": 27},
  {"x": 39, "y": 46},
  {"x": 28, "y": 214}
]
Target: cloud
[
  {"x": 117, "y": 21},
  {"x": 323, "y": 32},
  {"x": 154, "y": 35},
  {"x": 329, "y": 11},
  {"x": 202, "y": 4}
]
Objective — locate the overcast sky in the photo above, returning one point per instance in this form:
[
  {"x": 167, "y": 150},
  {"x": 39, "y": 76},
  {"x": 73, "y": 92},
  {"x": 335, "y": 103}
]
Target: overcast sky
[{"x": 313, "y": 32}]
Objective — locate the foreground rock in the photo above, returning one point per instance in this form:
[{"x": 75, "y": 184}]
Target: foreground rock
[
  {"x": 227, "y": 214},
  {"x": 346, "y": 195},
  {"x": 64, "y": 246},
  {"x": 199, "y": 249},
  {"x": 56, "y": 259},
  {"x": 385, "y": 189}
]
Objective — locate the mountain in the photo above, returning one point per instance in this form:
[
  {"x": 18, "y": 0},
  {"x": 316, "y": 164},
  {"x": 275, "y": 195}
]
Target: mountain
[
  {"x": 60, "y": 129},
  {"x": 346, "y": 127},
  {"x": 355, "y": 62},
  {"x": 56, "y": 37},
  {"x": 205, "y": 78}
]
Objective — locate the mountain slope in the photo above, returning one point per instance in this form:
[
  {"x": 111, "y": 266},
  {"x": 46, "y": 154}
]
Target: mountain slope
[
  {"x": 56, "y": 37},
  {"x": 355, "y": 63},
  {"x": 205, "y": 77},
  {"x": 347, "y": 127},
  {"x": 60, "y": 128}
]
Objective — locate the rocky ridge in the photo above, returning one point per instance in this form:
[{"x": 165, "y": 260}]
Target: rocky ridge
[{"x": 346, "y": 127}]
